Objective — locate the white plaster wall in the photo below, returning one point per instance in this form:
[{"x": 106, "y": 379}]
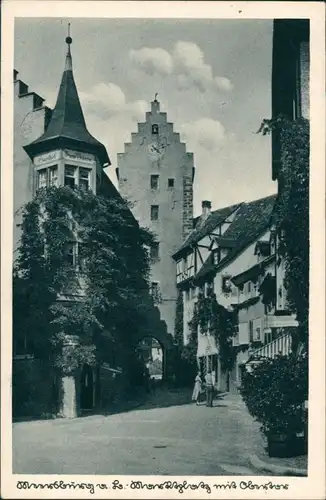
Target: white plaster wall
[{"x": 28, "y": 126}]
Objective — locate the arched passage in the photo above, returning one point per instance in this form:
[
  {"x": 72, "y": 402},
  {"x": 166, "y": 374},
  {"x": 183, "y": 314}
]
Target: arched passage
[
  {"x": 153, "y": 357},
  {"x": 155, "y": 328}
]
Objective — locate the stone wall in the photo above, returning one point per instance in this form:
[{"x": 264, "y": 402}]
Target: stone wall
[{"x": 188, "y": 206}]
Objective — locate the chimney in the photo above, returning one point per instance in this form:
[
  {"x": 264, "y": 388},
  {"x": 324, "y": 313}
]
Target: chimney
[{"x": 206, "y": 207}]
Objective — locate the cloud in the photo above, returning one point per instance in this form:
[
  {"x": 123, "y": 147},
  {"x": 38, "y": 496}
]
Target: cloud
[
  {"x": 206, "y": 133},
  {"x": 108, "y": 100},
  {"x": 186, "y": 64},
  {"x": 153, "y": 60}
]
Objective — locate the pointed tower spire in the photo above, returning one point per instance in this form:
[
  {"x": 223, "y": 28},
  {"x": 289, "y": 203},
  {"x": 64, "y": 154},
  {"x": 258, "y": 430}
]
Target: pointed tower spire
[
  {"x": 67, "y": 127},
  {"x": 68, "y": 66}
]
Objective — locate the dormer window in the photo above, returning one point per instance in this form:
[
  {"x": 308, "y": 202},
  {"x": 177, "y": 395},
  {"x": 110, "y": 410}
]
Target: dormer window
[{"x": 155, "y": 129}]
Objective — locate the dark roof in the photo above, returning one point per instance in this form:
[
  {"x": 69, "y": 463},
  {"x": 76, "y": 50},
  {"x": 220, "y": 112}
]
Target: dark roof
[
  {"x": 204, "y": 227},
  {"x": 67, "y": 127},
  {"x": 250, "y": 221},
  {"x": 252, "y": 271}
]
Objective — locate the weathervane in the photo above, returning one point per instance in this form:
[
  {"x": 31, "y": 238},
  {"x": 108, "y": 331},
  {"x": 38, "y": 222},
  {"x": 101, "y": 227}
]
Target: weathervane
[{"x": 68, "y": 38}]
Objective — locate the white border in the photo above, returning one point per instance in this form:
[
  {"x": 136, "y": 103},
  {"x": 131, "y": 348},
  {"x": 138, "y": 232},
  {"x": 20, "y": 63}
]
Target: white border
[{"x": 312, "y": 487}]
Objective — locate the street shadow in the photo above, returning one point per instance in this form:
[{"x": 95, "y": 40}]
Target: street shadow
[
  {"x": 162, "y": 397},
  {"x": 165, "y": 398}
]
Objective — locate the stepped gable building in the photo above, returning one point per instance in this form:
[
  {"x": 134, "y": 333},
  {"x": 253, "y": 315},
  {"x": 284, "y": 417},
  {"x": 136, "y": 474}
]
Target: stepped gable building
[
  {"x": 220, "y": 246},
  {"x": 156, "y": 174}
]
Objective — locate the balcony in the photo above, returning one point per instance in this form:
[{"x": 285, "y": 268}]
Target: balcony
[
  {"x": 280, "y": 346},
  {"x": 279, "y": 321}
]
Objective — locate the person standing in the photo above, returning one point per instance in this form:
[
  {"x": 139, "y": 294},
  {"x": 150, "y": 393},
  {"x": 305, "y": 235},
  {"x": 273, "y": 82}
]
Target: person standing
[
  {"x": 209, "y": 389},
  {"x": 197, "y": 389}
]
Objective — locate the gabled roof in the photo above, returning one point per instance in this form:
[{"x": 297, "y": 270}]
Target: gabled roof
[
  {"x": 67, "y": 127},
  {"x": 250, "y": 221},
  {"x": 205, "y": 226}
]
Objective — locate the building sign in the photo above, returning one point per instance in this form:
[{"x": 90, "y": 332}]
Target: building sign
[
  {"x": 206, "y": 346},
  {"x": 47, "y": 158},
  {"x": 79, "y": 157}
]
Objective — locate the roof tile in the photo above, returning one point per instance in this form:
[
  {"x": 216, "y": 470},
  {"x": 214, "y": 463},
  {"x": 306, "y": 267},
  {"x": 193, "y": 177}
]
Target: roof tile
[{"x": 250, "y": 221}]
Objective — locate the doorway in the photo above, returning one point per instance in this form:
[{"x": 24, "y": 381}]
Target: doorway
[{"x": 86, "y": 388}]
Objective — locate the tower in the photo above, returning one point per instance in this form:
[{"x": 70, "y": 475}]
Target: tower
[
  {"x": 66, "y": 153},
  {"x": 156, "y": 174}
]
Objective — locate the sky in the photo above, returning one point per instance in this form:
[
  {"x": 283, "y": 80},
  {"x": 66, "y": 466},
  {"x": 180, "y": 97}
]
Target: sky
[{"x": 213, "y": 78}]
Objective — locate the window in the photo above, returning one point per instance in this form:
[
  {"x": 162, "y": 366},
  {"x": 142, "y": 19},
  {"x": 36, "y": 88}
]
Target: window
[
  {"x": 81, "y": 257},
  {"x": 70, "y": 172},
  {"x": 154, "y": 181},
  {"x": 53, "y": 175},
  {"x": 155, "y": 292},
  {"x": 84, "y": 178},
  {"x": 170, "y": 183},
  {"x": 42, "y": 178},
  {"x": 155, "y": 251},
  {"x": 188, "y": 294},
  {"x": 209, "y": 288},
  {"x": 226, "y": 284},
  {"x": 216, "y": 256},
  {"x": 154, "y": 212},
  {"x": 155, "y": 129},
  {"x": 70, "y": 254},
  {"x": 249, "y": 286}
]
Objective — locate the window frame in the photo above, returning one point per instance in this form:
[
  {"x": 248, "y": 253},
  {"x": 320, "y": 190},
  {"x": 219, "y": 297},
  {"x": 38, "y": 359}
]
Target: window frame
[
  {"x": 73, "y": 176},
  {"x": 155, "y": 255},
  {"x": 224, "y": 280},
  {"x": 55, "y": 178},
  {"x": 153, "y": 186},
  {"x": 154, "y": 212},
  {"x": 78, "y": 180},
  {"x": 169, "y": 181},
  {"x": 82, "y": 180}
]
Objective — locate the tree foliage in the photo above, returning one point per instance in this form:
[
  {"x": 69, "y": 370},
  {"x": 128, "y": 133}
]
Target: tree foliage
[
  {"x": 101, "y": 291},
  {"x": 291, "y": 214},
  {"x": 274, "y": 392}
]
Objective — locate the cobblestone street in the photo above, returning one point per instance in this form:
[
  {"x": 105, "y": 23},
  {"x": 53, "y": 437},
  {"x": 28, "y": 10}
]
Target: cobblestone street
[{"x": 167, "y": 435}]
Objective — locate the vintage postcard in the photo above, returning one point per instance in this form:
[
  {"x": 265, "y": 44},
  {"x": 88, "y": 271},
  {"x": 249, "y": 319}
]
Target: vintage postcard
[{"x": 163, "y": 249}]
